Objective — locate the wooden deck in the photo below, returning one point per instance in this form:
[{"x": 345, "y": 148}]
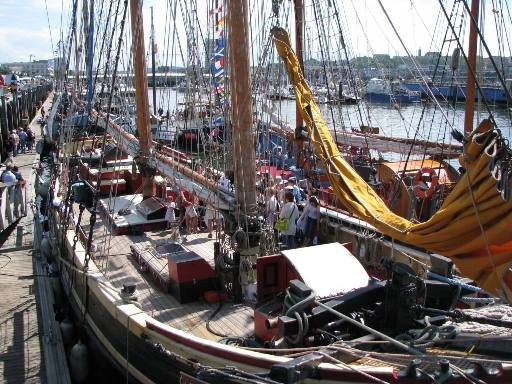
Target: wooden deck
[
  {"x": 29, "y": 337},
  {"x": 20, "y": 331},
  {"x": 121, "y": 268}
]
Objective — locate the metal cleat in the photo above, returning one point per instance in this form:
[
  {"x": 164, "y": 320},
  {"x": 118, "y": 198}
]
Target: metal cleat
[
  {"x": 478, "y": 370},
  {"x": 412, "y": 371},
  {"x": 445, "y": 372}
]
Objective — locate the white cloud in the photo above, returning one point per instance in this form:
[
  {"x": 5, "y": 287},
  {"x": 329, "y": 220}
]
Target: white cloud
[
  {"x": 53, "y": 5},
  {"x": 18, "y": 43},
  {"x": 27, "y": 32}
]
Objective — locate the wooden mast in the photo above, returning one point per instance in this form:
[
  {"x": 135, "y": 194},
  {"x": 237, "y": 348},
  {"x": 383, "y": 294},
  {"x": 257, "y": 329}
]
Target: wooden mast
[
  {"x": 299, "y": 45},
  {"x": 470, "y": 82},
  {"x": 299, "y": 42},
  {"x": 241, "y": 105},
  {"x": 141, "y": 95},
  {"x": 153, "y": 67}
]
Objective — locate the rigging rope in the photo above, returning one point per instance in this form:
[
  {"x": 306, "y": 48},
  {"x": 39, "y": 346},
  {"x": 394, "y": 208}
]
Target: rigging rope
[{"x": 49, "y": 25}]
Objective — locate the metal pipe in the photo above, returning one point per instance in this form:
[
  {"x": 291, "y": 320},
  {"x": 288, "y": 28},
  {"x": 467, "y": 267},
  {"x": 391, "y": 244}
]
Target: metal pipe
[{"x": 380, "y": 335}]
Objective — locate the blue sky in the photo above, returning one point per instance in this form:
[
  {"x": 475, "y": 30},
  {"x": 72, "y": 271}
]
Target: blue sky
[
  {"x": 24, "y": 26},
  {"x": 24, "y": 29}
]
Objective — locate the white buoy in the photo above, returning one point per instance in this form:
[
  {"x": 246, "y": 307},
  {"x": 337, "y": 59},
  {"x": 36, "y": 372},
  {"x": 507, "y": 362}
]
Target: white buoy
[
  {"x": 42, "y": 189},
  {"x": 55, "y": 284},
  {"x": 46, "y": 249},
  {"x": 39, "y": 146},
  {"x": 78, "y": 363},
  {"x": 67, "y": 329}
]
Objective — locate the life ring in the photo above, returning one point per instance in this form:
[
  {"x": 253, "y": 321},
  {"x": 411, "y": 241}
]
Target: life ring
[
  {"x": 425, "y": 193},
  {"x": 385, "y": 193}
]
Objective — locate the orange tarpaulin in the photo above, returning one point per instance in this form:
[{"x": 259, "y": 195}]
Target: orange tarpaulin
[{"x": 472, "y": 227}]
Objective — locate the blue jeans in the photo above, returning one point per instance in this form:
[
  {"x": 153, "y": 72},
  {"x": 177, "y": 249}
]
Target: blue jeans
[{"x": 289, "y": 241}]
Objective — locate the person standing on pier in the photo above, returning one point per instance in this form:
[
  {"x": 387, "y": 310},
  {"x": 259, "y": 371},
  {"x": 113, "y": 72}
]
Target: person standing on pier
[
  {"x": 13, "y": 137},
  {"x": 30, "y": 139},
  {"x": 9, "y": 148},
  {"x": 23, "y": 140}
]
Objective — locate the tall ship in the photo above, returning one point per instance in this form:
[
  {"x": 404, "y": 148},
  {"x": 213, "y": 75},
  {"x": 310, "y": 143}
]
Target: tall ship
[{"x": 180, "y": 264}]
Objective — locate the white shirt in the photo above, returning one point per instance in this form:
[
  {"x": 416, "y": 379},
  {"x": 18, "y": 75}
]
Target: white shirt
[
  {"x": 211, "y": 213},
  {"x": 311, "y": 212},
  {"x": 8, "y": 177},
  {"x": 224, "y": 182},
  {"x": 290, "y": 212},
  {"x": 271, "y": 204},
  {"x": 170, "y": 215}
]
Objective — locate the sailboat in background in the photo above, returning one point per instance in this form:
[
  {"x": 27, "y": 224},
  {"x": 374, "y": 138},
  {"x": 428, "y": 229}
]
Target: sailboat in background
[
  {"x": 385, "y": 91},
  {"x": 166, "y": 307}
]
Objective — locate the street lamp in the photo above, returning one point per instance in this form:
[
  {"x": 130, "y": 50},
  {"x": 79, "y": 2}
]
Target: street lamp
[{"x": 31, "y": 67}]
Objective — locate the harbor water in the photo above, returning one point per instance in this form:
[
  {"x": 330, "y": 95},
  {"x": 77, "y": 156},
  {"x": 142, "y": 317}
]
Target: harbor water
[{"x": 431, "y": 121}]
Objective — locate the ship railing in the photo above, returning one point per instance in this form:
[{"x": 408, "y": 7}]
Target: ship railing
[{"x": 13, "y": 203}]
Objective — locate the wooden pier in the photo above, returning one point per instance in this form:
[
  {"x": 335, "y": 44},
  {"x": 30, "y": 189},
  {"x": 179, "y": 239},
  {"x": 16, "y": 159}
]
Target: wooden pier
[
  {"x": 31, "y": 348},
  {"x": 18, "y": 109}
]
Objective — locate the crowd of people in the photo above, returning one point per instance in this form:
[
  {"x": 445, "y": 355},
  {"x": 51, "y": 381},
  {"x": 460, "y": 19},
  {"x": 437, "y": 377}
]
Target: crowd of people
[
  {"x": 11, "y": 173},
  {"x": 276, "y": 199},
  {"x": 184, "y": 209},
  {"x": 279, "y": 199},
  {"x": 20, "y": 140}
]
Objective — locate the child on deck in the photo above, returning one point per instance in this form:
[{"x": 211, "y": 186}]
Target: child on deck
[
  {"x": 211, "y": 217},
  {"x": 191, "y": 217},
  {"x": 170, "y": 214}
]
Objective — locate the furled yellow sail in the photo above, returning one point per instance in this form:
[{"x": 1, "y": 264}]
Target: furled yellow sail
[{"x": 473, "y": 225}]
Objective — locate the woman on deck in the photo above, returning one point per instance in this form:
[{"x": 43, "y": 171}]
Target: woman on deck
[
  {"x": 290, "y": 211},
  {"x": 311, "y": 216},
  {"x": 271, "y": 205},
  {"x": 212, "y": 216}
]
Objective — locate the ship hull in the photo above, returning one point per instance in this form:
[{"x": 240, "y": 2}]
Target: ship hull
[
  {"x": 128, "y": 352},
  {"x": 457, "y": 92},
  {"x": 373, "y": 97},
  {"x": 147, "y": 351}
]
